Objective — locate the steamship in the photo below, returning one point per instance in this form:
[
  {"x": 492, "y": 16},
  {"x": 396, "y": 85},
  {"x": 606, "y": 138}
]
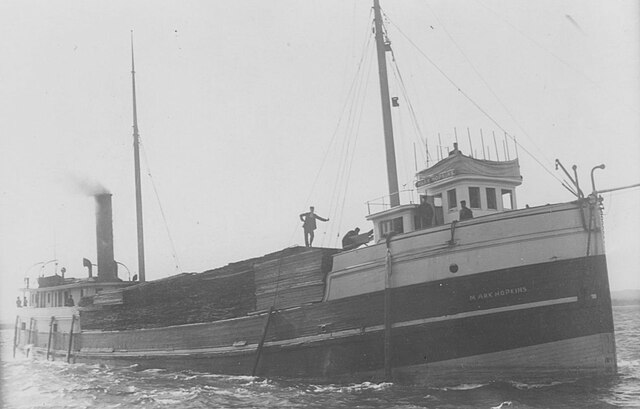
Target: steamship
[{"x": 511, "y": 291}]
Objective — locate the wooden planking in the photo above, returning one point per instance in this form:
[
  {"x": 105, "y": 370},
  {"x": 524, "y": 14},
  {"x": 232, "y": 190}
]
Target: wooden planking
[{"x": 215, "y": 334}]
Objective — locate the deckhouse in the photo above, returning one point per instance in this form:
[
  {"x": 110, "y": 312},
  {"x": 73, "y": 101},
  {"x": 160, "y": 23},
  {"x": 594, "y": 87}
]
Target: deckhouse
[
  {"x": 485, "y": 186},
  {"x": 57, "y": 290}
]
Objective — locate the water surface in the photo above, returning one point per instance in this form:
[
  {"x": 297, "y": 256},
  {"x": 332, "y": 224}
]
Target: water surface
[{"x": 28, "y": 383}]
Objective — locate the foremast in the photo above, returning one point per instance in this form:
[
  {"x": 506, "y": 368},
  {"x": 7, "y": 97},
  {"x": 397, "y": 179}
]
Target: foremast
[
  {"x": 381, "y": 47},
  {"x": 136, "y": 159}
]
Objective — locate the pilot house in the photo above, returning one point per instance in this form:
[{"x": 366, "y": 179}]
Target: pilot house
[{"x": 486, "y": 186}]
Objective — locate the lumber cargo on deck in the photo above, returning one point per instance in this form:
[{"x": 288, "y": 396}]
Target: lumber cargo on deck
[{"x": 287, "y": 278}]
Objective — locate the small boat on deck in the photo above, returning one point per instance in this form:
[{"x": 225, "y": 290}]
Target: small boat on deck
[{"x": 509, "y": 291}]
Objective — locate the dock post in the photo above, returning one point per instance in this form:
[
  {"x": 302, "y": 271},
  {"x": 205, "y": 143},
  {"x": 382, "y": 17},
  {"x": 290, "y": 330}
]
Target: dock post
[
  {"x": 50, "y": 336},
  {"x": 73, "y": 321},
  {"x": 29, "y": 335},
  {"x": 15, "y": 335},
  {"x": 261, "y": 344}
]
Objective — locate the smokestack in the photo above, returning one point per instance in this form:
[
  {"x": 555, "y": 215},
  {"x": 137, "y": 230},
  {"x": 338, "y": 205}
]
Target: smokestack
[{"x": 104, "y": 238}]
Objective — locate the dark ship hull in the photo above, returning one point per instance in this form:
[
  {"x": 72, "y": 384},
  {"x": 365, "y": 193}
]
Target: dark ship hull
[{"x": 546, "y": 310}]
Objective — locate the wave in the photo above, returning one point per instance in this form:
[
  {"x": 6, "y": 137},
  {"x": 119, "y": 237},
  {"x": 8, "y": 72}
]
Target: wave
[
  {"x": 528, "y": 386},
  {"x": 357, "y": 387},
  {"x": 462, "y": 387}
]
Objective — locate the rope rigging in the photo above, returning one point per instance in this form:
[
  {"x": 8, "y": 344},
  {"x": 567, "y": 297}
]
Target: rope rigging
[
  {"x": 488, "y": 86},
  {"x": 347, "y": 152},
  {"x": 164, "y": 217},
  {"x": 348, "y": 124},
  {"x": 612, "y": 97},
  {"x": 472, "y": 101}
]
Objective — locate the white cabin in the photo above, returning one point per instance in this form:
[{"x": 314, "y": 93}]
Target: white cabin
[{"x": 486, "y": 186}]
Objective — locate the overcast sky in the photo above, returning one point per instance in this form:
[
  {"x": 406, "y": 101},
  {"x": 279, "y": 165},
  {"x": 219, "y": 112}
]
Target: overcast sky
[{"x": 250, "y": 111}]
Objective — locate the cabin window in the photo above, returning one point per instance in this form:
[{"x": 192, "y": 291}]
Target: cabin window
[
  {"x": 474, "y": 197},
  {"x": 507, "y": 199},
  {"x": 451, "y": 197},
  {"x": 389, "y": 226},
  {"x": 491, "y": 199},
  {"x": 55, "y": 327},
  {"x": 23, "y": 325}
]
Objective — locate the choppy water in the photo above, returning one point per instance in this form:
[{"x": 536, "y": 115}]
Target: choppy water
[{"x": 33, "y": 384}]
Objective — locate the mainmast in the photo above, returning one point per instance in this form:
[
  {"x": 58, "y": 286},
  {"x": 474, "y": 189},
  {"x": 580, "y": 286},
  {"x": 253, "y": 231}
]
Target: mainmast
[
  {"x": 392, "y": 172},
  {"x": 136, "y": 159}
]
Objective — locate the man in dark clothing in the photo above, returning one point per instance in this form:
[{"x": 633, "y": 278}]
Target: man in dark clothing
[
  {"x": 347, "y": 240},
  {"x": 309, "y": 225},
  {"x": 18, "y": 302},
  {"x": 425, "y": 211},
  {"x": 465, "y": 212}
]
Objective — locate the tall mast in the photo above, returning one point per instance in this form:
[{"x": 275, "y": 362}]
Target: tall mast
[
  {"x": 392, "y": 172},
  {"x": 136, "y": 159}
]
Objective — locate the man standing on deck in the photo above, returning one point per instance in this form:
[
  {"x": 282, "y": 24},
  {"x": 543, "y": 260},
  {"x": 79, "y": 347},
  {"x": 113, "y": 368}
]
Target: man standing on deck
[
  {"x": 425, "y": 211},
  {"x": 309, "y": 225},
  {"x": 465, "y": 212}
]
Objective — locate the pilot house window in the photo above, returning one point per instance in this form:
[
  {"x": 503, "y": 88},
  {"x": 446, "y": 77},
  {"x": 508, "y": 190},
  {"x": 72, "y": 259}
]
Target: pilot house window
[
  {"x": 491, "y": 198},
  {"x": 394, "y": 225},
  {"x": 451, "y": 197},
  {"x": 507, "y": 199},
  {"x": 474, "y": 197}
]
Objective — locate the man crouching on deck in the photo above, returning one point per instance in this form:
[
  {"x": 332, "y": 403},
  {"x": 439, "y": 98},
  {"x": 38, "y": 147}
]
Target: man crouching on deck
[{"x": 309, "y": 225}]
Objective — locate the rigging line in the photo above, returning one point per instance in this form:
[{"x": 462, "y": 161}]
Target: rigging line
[
  {"x": 475, "y": 70},
  {"x": 485, "y": 113},
  {"x": 346, "y": 109},
  {"x": 343, "y": 170},
  {"x": 353, "y": 151},
  {"x": 595, "y": 83},
  {"x": 164, "y": 218},
  {"x": 399, "y": 125},
  {"x": 337, "y": 127},
  {"x": 347, "y": 146},
  {"x": 402, "y": 162},
  {"x": 398, "y": 75}
]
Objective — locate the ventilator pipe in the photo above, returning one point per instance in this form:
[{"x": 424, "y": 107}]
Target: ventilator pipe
[{"x": 593, "y": 182}]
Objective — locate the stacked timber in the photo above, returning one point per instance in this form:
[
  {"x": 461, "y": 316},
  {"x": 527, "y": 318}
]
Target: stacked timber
[
  {"x": 294, "y": 277},
  {"x": 287, "y": 278},
  {"x": 109, "y": 297}
]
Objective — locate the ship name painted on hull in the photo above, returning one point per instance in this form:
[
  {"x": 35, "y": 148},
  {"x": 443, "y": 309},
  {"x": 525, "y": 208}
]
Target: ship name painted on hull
[{"x": 497, "y": 293}]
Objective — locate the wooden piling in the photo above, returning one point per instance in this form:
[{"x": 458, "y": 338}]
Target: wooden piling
[
  {"x": 387, "y": 319},
  {"x": 73, "y": 321},
  {"x": 261, "y": 344},
  {"x": 29, "y": 335},
  {"x": 15, "y": 335},
  {"x": 50, "y": 336}
]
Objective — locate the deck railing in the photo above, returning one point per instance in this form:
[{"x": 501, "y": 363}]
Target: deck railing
[{"x": 407, "y": 196}]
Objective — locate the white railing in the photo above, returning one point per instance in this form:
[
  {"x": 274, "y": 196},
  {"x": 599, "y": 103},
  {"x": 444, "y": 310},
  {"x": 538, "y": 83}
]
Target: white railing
[{"x": 407, "y": 196}]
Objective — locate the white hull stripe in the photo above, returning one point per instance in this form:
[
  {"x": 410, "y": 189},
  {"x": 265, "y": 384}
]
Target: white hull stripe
[{"x": 328, "y": 335}]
